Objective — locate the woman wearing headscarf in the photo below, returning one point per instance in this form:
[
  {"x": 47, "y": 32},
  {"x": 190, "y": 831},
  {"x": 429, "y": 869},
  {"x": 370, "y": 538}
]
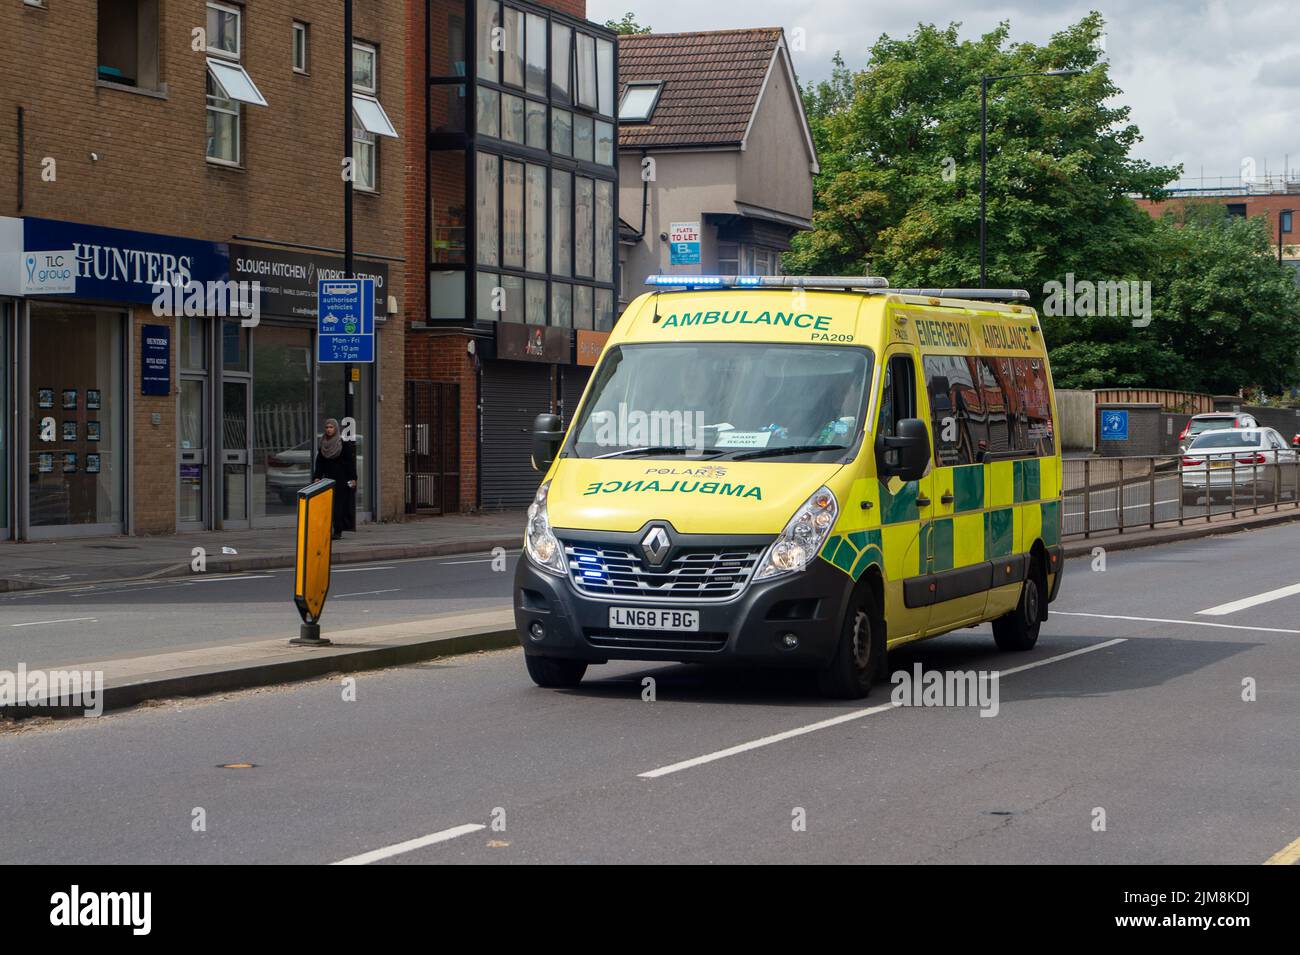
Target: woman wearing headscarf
[{"x": 336, "y": 459}]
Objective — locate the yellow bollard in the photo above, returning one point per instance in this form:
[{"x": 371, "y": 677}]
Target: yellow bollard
[{"x": 311, "y": 582}]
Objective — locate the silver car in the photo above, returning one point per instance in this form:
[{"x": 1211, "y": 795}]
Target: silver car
[{"x": 1239, "y": 461}]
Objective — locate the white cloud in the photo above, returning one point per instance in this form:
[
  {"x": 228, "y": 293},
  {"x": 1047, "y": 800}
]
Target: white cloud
[{"x": 1208, "y": 82}]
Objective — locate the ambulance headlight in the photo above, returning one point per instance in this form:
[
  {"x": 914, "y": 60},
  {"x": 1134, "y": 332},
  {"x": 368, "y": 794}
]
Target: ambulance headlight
[
  {"x": 539, "y": 543},
  {"x": 802, "y": 538}
]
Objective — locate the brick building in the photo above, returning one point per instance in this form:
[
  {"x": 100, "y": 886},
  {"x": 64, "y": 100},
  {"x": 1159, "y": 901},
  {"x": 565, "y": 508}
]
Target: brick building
[
  {"x": 510, "y": 235},
  {"x": 189, "y": 141},
  {"x": 1272, "y": 199}
]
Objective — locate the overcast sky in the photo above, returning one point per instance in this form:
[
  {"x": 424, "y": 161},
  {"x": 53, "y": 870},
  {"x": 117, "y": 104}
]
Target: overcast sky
[{"x": 1209, "y": 83}]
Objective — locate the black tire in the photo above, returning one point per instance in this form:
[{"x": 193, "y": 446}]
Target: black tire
[
  {"x": 1191, "y": 497},
  {"x": 1018, "y": 630},
  {"x": 860, "y": 654},
  {"x": 555, "y": 673}
]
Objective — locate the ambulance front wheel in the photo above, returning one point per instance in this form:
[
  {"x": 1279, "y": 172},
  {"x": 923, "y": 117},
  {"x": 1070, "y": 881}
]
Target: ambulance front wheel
[
  {"x": 555, "y": 673},
  {"x": 860, "y": 654},
  {"x": 1018, "y": 630}
]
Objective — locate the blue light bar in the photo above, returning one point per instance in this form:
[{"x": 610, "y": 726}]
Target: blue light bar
[{"x": 768, "y": 281}]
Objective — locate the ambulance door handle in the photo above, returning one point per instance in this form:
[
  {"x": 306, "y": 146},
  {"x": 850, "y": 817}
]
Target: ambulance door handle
[
  {"x": 922, "y": 502},
  {"x": 946, "y": 499}
]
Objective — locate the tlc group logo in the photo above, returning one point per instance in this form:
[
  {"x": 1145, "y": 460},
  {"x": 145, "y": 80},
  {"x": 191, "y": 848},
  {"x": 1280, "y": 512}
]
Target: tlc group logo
[
  {"x": 49, "y": 272},
  {"x": 75, "y": 908}
]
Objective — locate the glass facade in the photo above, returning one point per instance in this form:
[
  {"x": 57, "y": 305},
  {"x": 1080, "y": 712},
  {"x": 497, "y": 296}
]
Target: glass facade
[
  {"x": 76, "y": 467},
  {"x": 283, "y": 440},
  {"x": 541, "y": 168}
]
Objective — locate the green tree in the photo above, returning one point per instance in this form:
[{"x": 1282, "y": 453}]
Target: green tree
[
  {"x": 1224, "y": 315},
  {"x": 898, "y": 195},
  {"x": 627, "y": 25},
  {"x": 899, "y": 146}
]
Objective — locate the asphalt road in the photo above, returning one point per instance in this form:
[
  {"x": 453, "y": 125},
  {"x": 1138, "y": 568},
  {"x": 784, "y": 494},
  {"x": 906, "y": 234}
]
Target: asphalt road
[
  {"x": 1131, "y": 705},
  {"x": 43, "y": 628}
]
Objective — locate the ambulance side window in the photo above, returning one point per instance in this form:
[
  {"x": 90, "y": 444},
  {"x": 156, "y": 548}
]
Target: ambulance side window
[
  {"x": 898, "y": 397},
  {"x": 956, "y": 409}
]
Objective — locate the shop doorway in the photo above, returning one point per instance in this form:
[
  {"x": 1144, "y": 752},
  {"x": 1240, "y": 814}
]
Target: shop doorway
[
  {"x": 432, "y": 447},
  {"x": 234, "y": 452}
]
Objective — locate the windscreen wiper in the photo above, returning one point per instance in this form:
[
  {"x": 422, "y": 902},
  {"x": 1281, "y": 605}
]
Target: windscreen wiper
[
  {"x": 653, "y": 449},
  {"x": 791, "y": 449}
]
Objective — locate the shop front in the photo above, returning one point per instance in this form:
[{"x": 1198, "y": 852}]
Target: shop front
[{"x": 124, "y": 413}]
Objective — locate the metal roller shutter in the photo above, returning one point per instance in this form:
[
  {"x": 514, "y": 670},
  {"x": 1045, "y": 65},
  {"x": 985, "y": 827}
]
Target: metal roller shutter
[
  {"x": 573, "y": 380},
  {"x": 514, "y": 393}
]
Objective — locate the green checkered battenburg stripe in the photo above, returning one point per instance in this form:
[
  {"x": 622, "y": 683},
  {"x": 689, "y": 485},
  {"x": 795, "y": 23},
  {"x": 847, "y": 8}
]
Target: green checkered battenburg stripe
[{"x": 854, "y": 552}]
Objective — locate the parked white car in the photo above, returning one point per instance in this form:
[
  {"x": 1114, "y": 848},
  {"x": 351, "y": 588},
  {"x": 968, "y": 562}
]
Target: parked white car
[
  {"x": 1213, "y": 421},
  {"x": 1244, "y": 459}
]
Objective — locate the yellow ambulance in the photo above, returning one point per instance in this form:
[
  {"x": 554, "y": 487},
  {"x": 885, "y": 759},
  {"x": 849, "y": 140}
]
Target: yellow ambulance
[{"x": 799, "y": 471}]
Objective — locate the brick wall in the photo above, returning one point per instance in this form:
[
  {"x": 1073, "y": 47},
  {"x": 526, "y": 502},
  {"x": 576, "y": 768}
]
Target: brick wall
[
  {"x": 153, "y": 450},
  {"x": 148, "y": 170}
]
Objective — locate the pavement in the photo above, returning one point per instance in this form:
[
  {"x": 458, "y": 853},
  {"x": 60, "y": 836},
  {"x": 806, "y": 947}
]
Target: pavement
[
  {"x": 1154, "y": 722},
  {"x": 34, "y": 564}
]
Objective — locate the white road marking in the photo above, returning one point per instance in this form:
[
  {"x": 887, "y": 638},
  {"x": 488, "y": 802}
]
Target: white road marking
[
  {"x": 1254, "y": 601},
  {"x": 367, "y": 593},
  {"x": 411, "y": 845},
  {"x": 37, "y": 623},
  {"x": 452, "y": 563},
  {"x": 199, "y": 578},
  {"x": 1127, "y": 507},
  {"x": 843, "y": 718},
  {"x": 357, "y": 570},
  {"x": 1191, "y": 623}
]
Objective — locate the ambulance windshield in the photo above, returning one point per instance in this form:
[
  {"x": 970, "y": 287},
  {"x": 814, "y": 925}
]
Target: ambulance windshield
[{"x": 725, "y": 400}]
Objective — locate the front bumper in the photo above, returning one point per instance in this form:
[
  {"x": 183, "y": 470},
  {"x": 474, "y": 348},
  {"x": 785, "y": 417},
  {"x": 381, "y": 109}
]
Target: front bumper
[{"x": 746, "y": 629}]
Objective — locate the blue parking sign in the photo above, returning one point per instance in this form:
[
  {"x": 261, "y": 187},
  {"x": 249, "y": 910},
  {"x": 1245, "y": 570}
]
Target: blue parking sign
[
  {"x": 1114, "y": 425},
  {"x": 345, "y": 321}
]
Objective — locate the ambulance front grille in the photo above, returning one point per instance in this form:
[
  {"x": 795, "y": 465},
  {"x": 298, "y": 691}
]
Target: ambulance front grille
[{"x": 693, "y": 574}]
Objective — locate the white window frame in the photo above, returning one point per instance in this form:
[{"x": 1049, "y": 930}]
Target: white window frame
[
  {"x": 373, "y": 50},
  {"x": 239, "y": 30},
  {"x": 236, "y": 110},
  {"x": 301, "y": 29},
  {"x": 365, "y": 140}
]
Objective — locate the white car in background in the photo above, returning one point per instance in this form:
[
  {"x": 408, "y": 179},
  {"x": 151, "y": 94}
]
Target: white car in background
[
  {"x": 289, "y": 471},
  {"x": 1244, "y": 461}
]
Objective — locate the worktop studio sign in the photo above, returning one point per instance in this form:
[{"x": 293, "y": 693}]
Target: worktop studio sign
[{"x": 287, "y": 280}]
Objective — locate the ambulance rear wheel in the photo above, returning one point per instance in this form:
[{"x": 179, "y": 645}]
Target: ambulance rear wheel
[
  {"x": 555, "y": 673},
  {"x": 1018, "y": 630},
  {"x": 859, "y": 656}
]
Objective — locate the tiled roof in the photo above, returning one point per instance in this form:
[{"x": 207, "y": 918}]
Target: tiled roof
[{"x": 711, "y": 84}]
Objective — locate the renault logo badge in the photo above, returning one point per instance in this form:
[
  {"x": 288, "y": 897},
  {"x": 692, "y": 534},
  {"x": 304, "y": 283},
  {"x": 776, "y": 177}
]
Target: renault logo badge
[{"x": 655, "y": 545}]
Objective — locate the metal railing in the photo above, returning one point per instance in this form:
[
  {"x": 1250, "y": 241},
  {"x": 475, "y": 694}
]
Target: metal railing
[{"x": 1114, "y": 495}]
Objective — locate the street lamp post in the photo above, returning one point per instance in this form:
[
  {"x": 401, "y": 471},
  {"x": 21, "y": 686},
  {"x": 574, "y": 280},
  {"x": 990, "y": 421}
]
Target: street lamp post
[{"x": 985, "y": 82}]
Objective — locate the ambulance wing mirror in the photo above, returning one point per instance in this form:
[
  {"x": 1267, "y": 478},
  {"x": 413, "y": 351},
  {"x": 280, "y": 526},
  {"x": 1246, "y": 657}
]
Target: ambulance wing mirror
[
  {"x": 906, "y": 454},
  {"x": 548, "y": 433}
]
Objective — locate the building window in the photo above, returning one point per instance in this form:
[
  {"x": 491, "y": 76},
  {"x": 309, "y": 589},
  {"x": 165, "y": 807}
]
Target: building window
[
  {"x": 229, "y": 86},
  {"x": 740, "y": 259},
  {"x": 535, "y": 69},
  {"x": 604, "y": 270},
  {"x": 486, "y": 52},
  {"x": 365, "y": 68},
  {"x": 561, "y": 222},
  {"x": 1237, "y": 210},
  {"x": 223, "y": 126},
  {"x": 536, "y": 219},
  {"x": 224, "y": 26},
  {"x": 638, "y": 103},
  {"x": 488, "y": 229},
  {"x": 369, "y": 119},
  {"x": 127, "y": 37},
  {"x": 365, "y": 160},
  {"x": 561, "y": 132},
  {"x": 588, "y": 94},
  {"x": 604, "y": 143},
  {"x": 605, "y": 76},
  {"x": 512, "y": 214},
  {"x": 299, "y": 47},
  {"x": 584, "y": 137},
  {"x": 512, "y": 118},
  {"x": 561, "y": 62},
  {"x": 512, "y": 60}
]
